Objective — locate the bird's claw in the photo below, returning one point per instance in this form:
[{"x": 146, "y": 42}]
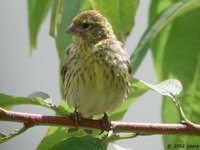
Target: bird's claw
[
  {"x": 105, "y": 123},
  {"x": 77, "y": 118}
]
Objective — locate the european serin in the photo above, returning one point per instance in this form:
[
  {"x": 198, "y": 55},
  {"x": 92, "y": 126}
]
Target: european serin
[{"x": 96, "y": 74}]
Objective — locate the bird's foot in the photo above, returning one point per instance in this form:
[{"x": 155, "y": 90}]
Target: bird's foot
[
  {"x": 77, "y": 118},
  {"x": 105, "y": 123}
]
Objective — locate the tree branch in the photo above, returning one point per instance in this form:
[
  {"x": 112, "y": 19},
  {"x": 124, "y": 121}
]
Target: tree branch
[{"x": 116, "y": 126}]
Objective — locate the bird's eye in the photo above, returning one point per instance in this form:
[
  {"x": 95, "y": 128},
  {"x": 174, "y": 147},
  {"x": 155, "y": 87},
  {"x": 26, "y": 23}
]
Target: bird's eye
[{"x": 85, "y": 25}]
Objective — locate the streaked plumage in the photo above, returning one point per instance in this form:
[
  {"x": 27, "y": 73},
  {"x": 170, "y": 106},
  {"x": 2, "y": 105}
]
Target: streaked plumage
[{"x": 96, "y": 73}]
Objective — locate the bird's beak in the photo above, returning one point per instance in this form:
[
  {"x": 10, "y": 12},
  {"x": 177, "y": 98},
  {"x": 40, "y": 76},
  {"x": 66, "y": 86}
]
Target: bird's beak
[{"x": 70, "y": 29}]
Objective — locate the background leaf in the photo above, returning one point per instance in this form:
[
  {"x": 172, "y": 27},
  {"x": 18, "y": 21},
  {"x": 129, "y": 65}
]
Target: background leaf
[
  {"x": 70, "y": 8},
  {"x": 137, "y": 89},
  {"x": 157, "y": 24},
  {"x": 122, "y": 16},
  {"x": 37, "y": 11},
  {"x": 55, "y": 17},
  {"x": 170, "y": 88},
  {"x": 37, "y": 98},
  {"x": 176, "y": 53},
  {"x": 87, "y": 142},
  {"x": 55, "y": 135}
]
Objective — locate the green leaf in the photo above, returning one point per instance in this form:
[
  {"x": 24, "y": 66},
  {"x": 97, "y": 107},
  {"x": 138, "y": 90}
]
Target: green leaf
[
  {"x": 55, "y": 135},
  {"x": 37, "y": 98},
  {"x": 137, "y": 90},
  {"x": 183, "y": 62},
  {"x": 177, "y": 55},
  {"x": 37, "y": 11},
  {"x": 2, "y": 135},
  {"x": 156, "y": 26},
  {"x": 122, "y": 16},
  {"x": 80, "y": 143},
  {"x": 55, "y": 16},
  {"x": 57, "y": 13},
  {"x": 70, "y": 8},
  {"x": 170, "y": 88},
  {"x": 86, "y": 5},
  {"x": 4, "y": 138}
]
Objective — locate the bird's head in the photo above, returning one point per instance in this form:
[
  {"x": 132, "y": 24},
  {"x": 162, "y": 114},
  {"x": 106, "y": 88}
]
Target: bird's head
[{"x": 90, "y": 27}]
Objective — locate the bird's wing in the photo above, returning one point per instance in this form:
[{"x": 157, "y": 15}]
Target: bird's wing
[
  {"x": 120, "y": 52},
  {"x": 64, "y": 68}
]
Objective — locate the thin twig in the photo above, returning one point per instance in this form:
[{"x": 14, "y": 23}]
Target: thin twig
[{"x": 115, "y": 126}]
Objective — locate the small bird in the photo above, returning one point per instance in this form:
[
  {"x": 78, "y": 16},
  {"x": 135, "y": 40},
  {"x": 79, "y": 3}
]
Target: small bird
[{"x": 96, "y": 73}]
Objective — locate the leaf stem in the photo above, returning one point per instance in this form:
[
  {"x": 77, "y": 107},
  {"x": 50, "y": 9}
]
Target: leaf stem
[
  {"x": 5, "y": 138},
  {"x": 182, "y": 115},
  {"x": 179, "y": 108},
  {"x": 115, "y": 137}
]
